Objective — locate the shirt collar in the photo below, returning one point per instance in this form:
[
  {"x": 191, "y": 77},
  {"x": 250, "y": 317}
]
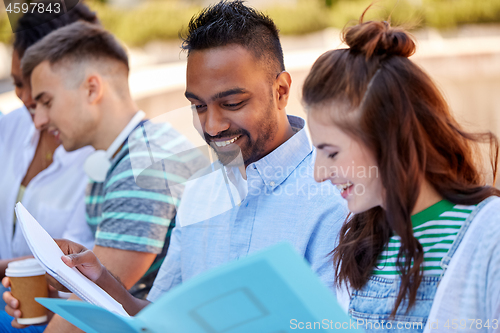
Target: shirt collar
[{"x": 276, "y": 166}]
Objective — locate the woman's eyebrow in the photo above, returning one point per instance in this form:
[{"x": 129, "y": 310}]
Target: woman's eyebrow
[{"x": 324, "y": 145}]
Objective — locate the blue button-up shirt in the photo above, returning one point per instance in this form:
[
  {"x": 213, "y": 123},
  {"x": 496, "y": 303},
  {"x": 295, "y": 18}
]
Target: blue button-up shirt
[{"x": 222, "y": 218}]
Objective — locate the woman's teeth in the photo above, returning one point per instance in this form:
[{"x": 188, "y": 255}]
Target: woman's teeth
[
  {"x": 225, "y": 143},
  {"x": 343, "y": 187}
]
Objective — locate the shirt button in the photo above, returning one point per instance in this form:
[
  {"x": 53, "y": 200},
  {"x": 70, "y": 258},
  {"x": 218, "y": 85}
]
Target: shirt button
[{"x": 272, "y": 183}]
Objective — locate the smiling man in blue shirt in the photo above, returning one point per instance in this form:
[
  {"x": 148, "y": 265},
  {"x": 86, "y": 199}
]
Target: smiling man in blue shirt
[{"x": 261, "y": 191}]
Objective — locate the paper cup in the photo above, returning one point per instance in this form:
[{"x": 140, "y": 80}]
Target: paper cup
[{"x": 27, "y": 281}]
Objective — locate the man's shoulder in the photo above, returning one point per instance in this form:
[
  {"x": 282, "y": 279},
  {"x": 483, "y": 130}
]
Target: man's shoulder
[
  {"x": 319, "y": 197},
  {"x": 159, "y": 146},
  {"x": 20, "y": 114},
  {"x": 303, "y": 174},
  {"x": 158, "y": 137},
  {"x": 120, "y": 169},
  {"x": 122, "y": 177}
]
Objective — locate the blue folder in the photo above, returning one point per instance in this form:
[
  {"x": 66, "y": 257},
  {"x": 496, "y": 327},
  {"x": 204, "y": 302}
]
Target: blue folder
[{"x": 272, "y": 291}]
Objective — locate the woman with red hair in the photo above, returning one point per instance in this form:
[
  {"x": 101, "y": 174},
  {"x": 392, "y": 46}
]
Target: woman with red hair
[{"x": 409, "y": 256}]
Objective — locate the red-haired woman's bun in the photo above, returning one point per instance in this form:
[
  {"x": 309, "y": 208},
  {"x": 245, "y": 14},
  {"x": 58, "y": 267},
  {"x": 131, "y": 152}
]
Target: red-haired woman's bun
[{"x": 375, "y": 38}]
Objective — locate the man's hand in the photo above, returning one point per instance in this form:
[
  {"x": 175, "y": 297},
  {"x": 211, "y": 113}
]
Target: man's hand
[
  {"x": 12, "y": 307},
  {"x": 55, "y": 286},
  {"x": 80, "y": 257}
]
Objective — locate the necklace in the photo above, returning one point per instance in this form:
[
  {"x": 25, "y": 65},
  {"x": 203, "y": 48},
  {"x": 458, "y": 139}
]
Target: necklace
[
  {"x": 46, "y": 152},
  {"x": 42, "y": 158}
]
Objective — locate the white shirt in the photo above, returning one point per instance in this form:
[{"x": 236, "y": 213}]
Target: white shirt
[{"x": 55, "y": 197}]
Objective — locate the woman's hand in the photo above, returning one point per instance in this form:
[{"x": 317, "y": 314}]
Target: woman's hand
[{"x": 12, "y": 307}]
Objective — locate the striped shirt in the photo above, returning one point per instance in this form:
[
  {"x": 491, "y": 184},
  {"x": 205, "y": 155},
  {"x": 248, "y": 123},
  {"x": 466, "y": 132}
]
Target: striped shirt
[
  {"x": 134, "y": 208},
  {"x": 435, "y": 228}
]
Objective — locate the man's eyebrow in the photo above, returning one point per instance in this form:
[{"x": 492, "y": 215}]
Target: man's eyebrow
[
  {"x": 40, "y": 95},
  {"x": 235, "y": 91},
  {"x": 222, "y": 94},
  {"x": 191, "y": 95}
]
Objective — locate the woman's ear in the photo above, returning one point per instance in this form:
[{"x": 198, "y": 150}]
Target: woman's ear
[{"x": 283, "y": 83}]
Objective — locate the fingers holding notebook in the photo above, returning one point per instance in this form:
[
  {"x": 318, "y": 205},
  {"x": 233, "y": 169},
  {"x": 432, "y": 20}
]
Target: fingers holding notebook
[{"x": 80, "y": 257}]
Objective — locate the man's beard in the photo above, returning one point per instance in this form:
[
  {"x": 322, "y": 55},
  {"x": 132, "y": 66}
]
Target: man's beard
[{"x": 252, "y": 150}]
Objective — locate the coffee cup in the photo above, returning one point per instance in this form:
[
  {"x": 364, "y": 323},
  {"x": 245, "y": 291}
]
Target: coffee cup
[{"x": 27, "y": 281}]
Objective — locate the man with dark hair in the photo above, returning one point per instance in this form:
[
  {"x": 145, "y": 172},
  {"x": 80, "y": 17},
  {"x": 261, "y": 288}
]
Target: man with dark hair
[
  {"x": 75, "y": 54},
  {"x": 235, "y": 32},
  {"x": 34, "y": 25},
  {"x": 237, "y": 83},
  {"x": 239, "y": 91},
  {"x": 79, "y": 77},
  {"x": 234, "y": 23}
]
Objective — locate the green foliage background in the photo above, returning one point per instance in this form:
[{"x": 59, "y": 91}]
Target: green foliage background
[{"x": 165, "y": 19}]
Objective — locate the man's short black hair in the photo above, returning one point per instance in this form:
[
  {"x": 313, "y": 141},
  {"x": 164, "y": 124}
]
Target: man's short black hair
[
  {"x": 33, "y": 26},
  {"x": 231, "y": 22},
  {"x": 75, "y": 43}
]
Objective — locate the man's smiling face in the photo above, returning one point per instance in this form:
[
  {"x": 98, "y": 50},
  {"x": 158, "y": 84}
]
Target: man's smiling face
[{"x": 235, "y": 100}]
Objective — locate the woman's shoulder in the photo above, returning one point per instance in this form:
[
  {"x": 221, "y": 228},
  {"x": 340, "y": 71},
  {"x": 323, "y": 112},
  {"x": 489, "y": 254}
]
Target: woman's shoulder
[
  {"x": 486, "y": 221},
  {"x": 16, "y": 123},
  {"x": 490, "y": 208}
]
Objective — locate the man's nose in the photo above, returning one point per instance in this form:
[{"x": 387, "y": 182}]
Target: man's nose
[
  {"x": 215, "y": 122},
  {"x": 40, "y": 119}
]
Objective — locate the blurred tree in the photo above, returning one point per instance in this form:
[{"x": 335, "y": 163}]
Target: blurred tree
[
  {"x": 152, "y": 20},
  {"x": 330, "y": 3}
]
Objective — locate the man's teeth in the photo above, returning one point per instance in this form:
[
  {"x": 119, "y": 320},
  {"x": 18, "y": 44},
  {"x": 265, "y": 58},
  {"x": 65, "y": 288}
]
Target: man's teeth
[
  {"x": 225, "y": 143},
  {"x": 343, "y": 187}
]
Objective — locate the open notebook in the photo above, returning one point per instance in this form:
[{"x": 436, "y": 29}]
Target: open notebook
[
  {"x": 271, "y": 291},
  {"x": 48, "y": 254}
]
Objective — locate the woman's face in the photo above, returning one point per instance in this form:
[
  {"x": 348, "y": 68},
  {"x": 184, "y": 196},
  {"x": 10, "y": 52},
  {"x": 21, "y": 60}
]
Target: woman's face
[
  {"x": 346, "y": 163},
  {"x": 22, "y": 85}
]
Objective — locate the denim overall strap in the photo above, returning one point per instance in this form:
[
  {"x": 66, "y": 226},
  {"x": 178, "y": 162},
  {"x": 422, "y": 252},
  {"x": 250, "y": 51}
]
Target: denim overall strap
[{"x": 447, "y": 258}]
